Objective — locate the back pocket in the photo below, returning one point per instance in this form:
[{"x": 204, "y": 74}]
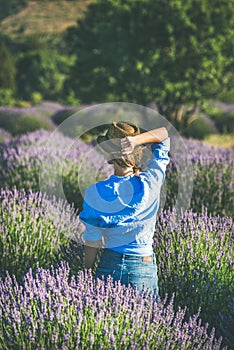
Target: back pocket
[
  {"x": 144, "y": 278},
  {"x": 103, "y": 273}
]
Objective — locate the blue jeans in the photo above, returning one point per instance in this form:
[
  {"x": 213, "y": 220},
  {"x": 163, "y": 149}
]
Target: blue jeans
[{"x": 136, "y": 271}]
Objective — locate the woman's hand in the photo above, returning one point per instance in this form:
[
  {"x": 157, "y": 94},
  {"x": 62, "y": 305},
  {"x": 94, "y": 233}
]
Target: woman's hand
[
  {"x": 128, "y": 144},
  {"x": 90, "y": 253}
]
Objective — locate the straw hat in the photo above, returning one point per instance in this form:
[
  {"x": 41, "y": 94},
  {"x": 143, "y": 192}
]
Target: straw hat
[{"x": 111, "y": 141}]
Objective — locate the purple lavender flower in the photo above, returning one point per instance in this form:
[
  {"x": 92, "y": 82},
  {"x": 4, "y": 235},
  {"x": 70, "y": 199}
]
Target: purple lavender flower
[
  {"x": 134, "y": 322},
  {"x": 4, "y": 135},
  {"x": 195, "y": 262},
  {"x": 22, "y": 157},
  {"x": 213, "y": 178},
  {"x": 33, "y": 229}
]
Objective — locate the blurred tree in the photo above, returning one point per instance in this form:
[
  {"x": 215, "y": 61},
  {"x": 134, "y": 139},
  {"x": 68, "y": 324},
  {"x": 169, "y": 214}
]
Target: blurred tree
[
  {"x": 176, "y": 53},
  {"x": 8, "y": 7},
  {"x": 7, "y": 68},
  {"x": 42, "y": 71}
]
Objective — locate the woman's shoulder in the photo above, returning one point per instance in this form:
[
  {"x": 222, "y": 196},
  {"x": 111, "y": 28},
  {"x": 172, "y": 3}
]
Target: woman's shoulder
[{"x": 97, "y": 188}]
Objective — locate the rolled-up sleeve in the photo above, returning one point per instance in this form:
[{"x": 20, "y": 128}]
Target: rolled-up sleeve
[
  {"x": 88, "y": 216},
  {"x": 156, "y": 166}
]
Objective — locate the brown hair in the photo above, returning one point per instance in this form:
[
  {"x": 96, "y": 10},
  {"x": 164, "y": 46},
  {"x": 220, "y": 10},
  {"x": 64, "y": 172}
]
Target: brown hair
[{"x": 131, "y": 160}]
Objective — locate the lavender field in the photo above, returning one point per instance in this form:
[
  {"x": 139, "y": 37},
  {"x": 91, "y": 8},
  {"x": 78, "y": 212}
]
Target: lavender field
[{"x": 48, "y": 301}]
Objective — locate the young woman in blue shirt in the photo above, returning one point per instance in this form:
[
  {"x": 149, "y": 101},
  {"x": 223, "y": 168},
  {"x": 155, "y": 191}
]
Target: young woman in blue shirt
[{"x": 119, "y": 213}]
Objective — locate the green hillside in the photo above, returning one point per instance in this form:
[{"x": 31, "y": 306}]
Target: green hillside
[{"x": 46, "y": 19}]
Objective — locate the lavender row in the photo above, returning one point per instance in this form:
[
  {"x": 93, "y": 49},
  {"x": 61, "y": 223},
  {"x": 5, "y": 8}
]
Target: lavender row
[
  {"x": 52, "y": 311},
  {"x": 212, "y": 177},
  {"x": 195, "y": 262},
  {"x": 22, "y": 158},
  {"x": 194, "y": 251},
  {"x": 4, "y": 135},
  {"x": 202, "y": 153},
  {"x": 34, "y": 229},
  {"x": 44, "y": 109}
]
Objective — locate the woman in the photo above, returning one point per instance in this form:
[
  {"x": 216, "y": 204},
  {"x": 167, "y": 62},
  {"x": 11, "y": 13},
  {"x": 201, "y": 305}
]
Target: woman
[{"x": 119, "y": 213}]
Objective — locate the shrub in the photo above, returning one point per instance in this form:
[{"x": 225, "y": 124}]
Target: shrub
[
  {"x": 199, "y": 128},
  {"x": 225, "y": 122},
  {"x": 18, "y": 124},
  {"x": 33, "y": 229},
  {"x": 36, "y": 97},
  {"x": 23, "y": 104},
  {"x": 224, "y": 119},
  {"x": 52, "y": 311},
  {"x": 62, "y": 115},
  {"x": 195, "y": 257},
  {"x": 74, "y": 130},
  {"x": 6, "y": 97},
  {"x": 71, "y": 129}
]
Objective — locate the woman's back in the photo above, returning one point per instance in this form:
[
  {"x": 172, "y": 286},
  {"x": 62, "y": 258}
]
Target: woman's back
[
  {"x": 120, "y": 213},
  {"x": 122, "y": 209}
]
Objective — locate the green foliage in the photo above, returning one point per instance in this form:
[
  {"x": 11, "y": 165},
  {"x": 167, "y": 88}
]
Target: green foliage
[
  {"x": 36, "y": 97},
  {"x": 173, "y": 52},
  {"x": 23, "y": 104},
  {"x": 7, "y": 71},
  {"x": 225, "y": 140},
  {"x": 18, "y": 124},
  {"x": 6, "y": 97},
  {"x": 69, "y": 98},
  {"x": 43, "y": 71}
]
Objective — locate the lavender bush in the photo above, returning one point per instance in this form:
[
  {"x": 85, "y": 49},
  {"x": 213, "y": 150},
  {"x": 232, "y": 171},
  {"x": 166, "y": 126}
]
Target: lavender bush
[
  {"x": 213, "y": 178},
  {"x": 22, "y": 157},
  {"x": 44, "y": 109},
  {"x": 51, "y": 311},
  {"x": 34, "y": 229},
  {"x": 4, "y": 135},
  {"x": 195, "y": 261},
  {"x": 18, "y": 123}
]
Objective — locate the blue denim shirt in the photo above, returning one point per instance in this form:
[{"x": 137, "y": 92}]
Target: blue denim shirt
[{"x": 122, "y": 209}]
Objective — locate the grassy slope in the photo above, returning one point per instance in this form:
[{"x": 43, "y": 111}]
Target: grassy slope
[
  {"x": 44, "y": 19},
  {"x": 217, "y": 140}
]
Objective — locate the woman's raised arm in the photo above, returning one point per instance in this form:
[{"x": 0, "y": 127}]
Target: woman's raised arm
[{"x": 130, "y": 142}]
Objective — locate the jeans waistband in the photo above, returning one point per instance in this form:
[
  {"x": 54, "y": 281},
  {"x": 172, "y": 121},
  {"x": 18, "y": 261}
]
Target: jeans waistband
[{"x": 148, "y": 258}]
